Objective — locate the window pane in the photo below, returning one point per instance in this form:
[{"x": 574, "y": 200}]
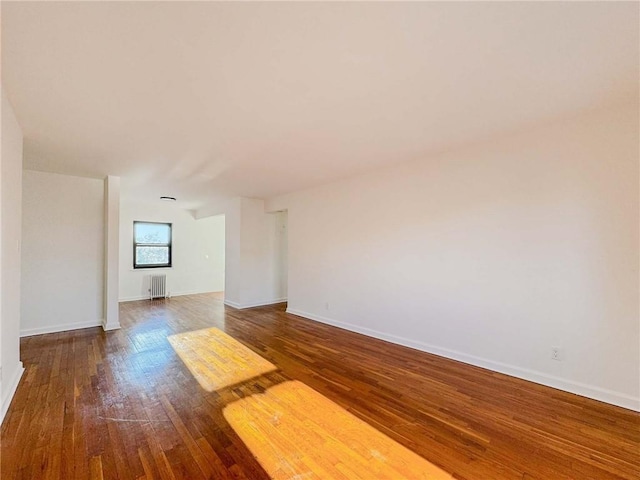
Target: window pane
[
  {"x": 152, "y": 255},
  {"x": 152, "y": 233}
]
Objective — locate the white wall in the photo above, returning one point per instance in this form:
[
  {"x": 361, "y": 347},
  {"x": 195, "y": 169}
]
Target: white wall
[
  {"x": 490, "y": 255},
  {"x": 233, "y": 268},
  {"x": 257, "y": 255},
  {"x": 281, "y": 253},
  {"x": 198, "y": 251},
  {"x": 111, "y": 294},
  {"x": 62, "y": 253},
  {"x": 10, "y": 217}
]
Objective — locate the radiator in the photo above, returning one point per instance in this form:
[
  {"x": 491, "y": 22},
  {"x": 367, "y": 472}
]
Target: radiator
[{"x": 158, "y": 288}]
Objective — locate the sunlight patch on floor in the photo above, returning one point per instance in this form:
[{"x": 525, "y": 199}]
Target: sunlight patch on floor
[
  {"x": 297, "y": 433},
  {"x": 217, "y": 360}
]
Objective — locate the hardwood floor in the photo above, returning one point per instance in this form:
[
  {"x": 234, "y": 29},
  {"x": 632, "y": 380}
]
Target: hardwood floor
[{"x": 123, "y": 405}]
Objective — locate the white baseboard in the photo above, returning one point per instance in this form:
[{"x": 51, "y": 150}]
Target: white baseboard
[
  {"x": 132, "y": 299},
  {"x": 28, "y": 332},
  {"x": 12, "y": 386},
  {"x": 229, "y": 303},
  {"x": 251, "y": 305},
  {"x": 171, "y": 294},
  {"x": 589, "y": 391},
  {"x": 107, "y": 327}
]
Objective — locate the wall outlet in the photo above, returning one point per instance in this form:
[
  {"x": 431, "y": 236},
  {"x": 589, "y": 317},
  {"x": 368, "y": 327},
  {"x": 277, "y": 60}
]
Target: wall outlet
[
  {"x": 326, "y": 306},
  {"x": 0, "y": 374},
  {"x": 556, "y": 353}
]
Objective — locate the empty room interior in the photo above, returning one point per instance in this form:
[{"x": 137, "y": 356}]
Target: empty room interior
[{"x": 331, "y": 240}]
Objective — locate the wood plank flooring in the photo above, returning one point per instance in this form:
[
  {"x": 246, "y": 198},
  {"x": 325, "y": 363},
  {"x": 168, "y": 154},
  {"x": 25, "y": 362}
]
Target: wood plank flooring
[
  {"x": 295, "y": 432},
  {"x": 122, "y": 404}
]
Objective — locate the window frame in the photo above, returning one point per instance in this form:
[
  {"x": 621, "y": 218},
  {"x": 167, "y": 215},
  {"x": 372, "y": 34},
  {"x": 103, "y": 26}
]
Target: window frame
[{"x": 137, "y": 266}]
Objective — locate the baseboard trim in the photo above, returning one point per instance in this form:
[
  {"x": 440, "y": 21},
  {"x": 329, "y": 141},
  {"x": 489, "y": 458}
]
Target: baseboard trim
[
  {"x": 13, "y": 386},
  {"x": 252, "y": 305},
  {"x": 171, "y": 294},
  {"x": 60, "y": 328},
  {"x": 132, "y": 299},
  {"x": 229, "y": 303},
  {"x": 589, "y": 391},
  {"x": 107, "y": 327}
]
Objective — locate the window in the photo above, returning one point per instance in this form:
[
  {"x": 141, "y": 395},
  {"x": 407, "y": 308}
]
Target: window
[{"x": 151, "y": 245}]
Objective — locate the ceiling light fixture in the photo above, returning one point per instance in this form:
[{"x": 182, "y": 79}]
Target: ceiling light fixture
[{"x": 168, "y": 199}]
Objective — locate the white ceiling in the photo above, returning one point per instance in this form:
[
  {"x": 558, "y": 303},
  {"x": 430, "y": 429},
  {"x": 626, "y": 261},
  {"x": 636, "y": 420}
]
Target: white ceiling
[{"x": 205, "y": 100}]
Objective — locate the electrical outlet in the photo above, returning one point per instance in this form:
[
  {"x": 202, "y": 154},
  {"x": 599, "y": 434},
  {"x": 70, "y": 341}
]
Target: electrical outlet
[
  {"x": 326, "y": 306},
  {"x": 556, "y": 353},
  {"x": 0, "y": 374}
]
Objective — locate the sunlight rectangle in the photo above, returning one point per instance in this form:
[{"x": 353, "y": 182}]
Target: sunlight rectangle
[
  {"x": 295, "y": 432},
  {"x": 217, "y": 360}
]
